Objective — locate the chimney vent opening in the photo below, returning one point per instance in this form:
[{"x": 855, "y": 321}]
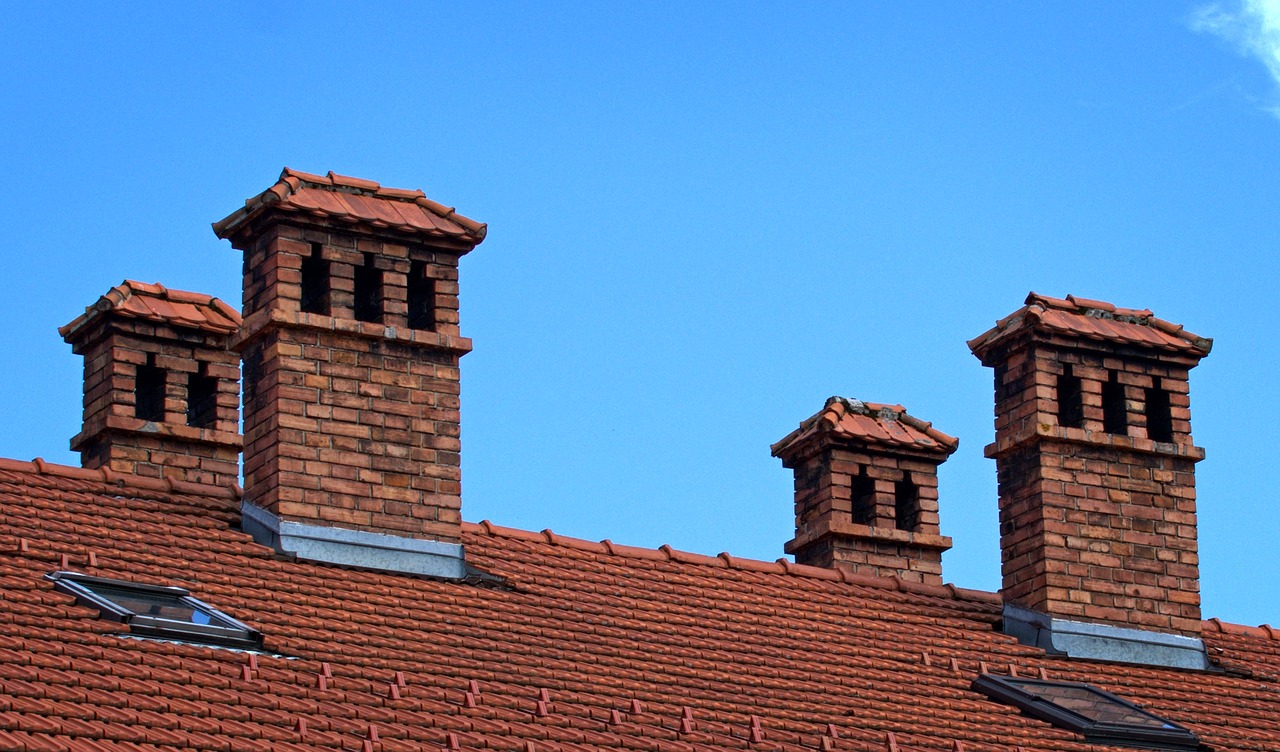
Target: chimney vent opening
[
  {"x": 863, "y": 491},
  {"x": 1070, "y": 399},
  {"x": 202, "y": 398},
  {"x": 422, "y": 298},
  {"x": 1159, "y": 415},
  {"x": 906, "y": 505},
  {"x": 1114, "y": 417},
  {"x": 315, "y": 282},
  {"x": 368, "y": 291},
  {"x": 148, "y": 391}
]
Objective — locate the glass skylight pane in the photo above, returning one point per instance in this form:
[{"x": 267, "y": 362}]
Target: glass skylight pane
[
  {"x": 162, "y": 606},
  {"x": 1099, "y": 716},
  {"x": 1091, "y": 704},
  {"x": 156, "y": 611}
]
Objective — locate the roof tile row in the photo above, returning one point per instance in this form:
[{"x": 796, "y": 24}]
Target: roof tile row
[{"x": 564, "y": 658}]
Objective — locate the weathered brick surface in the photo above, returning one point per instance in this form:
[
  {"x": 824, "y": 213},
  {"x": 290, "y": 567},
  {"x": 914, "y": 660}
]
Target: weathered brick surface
[
  {"x": 351, "y": 423},
  {"x": 1096, "y": 525},
  {"x": 113, "y": 436},
  {"x": 1088, "y": 532}
]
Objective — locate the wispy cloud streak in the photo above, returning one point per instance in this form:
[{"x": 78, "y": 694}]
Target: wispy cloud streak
[{"x": 1253, "y": 27}]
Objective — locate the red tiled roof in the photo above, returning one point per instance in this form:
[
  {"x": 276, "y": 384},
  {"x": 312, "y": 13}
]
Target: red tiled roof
[
  {"x": 589, "y": 646},
  {"x": 1094, "y": 319},
  {"x": 869, "y": 422},
  {"x": 357, "y": 201},
  {"x": 156, "y": 302}
]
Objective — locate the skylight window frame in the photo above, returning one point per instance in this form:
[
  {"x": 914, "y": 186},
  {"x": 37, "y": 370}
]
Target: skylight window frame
[
  {"x": 229, "y": 632},
  {"x": 1173, "y": 738}
]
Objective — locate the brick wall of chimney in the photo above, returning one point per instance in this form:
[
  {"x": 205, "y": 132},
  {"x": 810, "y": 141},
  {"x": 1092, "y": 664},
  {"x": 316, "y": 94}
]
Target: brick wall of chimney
[
  {"x": 866, "y": 491},
  {"x": 1097, "y": 517},
  {"x": 351, "y": 423},
  {"x": 846, "y": 515},
  {"x": 162, "y": 445}
]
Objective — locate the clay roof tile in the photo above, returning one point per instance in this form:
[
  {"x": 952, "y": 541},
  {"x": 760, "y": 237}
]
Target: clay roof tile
[
  {"x": 1093, "y": 319},
  {"x": 154, "y": 302},
  {"x": 870, "y": 423},
  {"x": 357, "y": 201},
  {"x": 615, "y": 641}
]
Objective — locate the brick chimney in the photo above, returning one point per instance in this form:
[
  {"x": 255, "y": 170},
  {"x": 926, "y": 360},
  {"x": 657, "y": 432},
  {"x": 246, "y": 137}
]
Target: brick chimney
[
  {"x": 1095, "y": 463},
  {"x": 351, "y": 347},
  {"x": 161, "y": 387},
  {"x": 866, "y": 480}
]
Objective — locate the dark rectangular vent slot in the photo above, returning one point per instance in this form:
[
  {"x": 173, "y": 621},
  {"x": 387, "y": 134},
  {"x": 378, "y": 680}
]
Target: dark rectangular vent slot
[
  {"x": 148, "y": 391},
  {"x": 1070, "y": 400},
  {"x": 368, "y": 291},
  {"x": 202, "y": 398},
  {"x": 906, "y": 505},
  {"x": 1114, "y": 413},
  {"x": 315, "y": 282},
  {"x": 1159, "y": 415},
  {"x": 422, "y": 298},
  {"x": 864, "y": 498}
]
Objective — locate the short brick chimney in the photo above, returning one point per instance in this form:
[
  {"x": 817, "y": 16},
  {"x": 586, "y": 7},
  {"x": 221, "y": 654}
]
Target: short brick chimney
[
  {"x": 161, "y": 387},
  {"x": 351, "y": 347},
  {"x": 1095, "y": 463},
  {"x": 866, "y": 480}
]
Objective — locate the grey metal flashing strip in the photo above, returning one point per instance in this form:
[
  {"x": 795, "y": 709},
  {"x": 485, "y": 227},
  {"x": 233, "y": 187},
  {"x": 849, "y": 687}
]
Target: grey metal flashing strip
[
  {"x": 1104, "y": 642},
  {"x": 354, "y": 548}
]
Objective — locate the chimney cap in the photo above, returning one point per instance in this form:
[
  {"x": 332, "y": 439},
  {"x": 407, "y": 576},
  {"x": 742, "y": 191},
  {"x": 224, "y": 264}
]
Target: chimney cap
[
  {"x": 357, "y": 201},
  {"x": 852, "y": 420},
  {"x": 1093, "y": 320},
  {"x": 155, "y": 302}
]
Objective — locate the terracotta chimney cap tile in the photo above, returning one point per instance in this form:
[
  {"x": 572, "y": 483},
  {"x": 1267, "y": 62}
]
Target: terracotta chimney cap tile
[
  {"x": 301, "y": 176},
  {"x": 154, "y": 302},
  {"x": 1087, "y": 303},
  {"x": 352, "y": 182},
  {"x": 870, "y": 422},
  {"x": 358, "y": 201},
  {"x": 402, "y": 193},
  {"x": 1094, "y": 319}
]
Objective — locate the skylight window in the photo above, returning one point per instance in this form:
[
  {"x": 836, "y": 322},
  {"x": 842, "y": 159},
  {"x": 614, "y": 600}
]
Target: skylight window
[
  {"x": 157, "y": 611},
  {"x": 1100, "y": 716}
]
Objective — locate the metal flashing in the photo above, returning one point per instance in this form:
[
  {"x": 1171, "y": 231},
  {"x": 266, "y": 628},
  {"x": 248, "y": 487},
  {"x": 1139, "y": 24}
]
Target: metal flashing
[
  {"x": 355, "y": 548},
  {"x": 1104, "y": 642}
]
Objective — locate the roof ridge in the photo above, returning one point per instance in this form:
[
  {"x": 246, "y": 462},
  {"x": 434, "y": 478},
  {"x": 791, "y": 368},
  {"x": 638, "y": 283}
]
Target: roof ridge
[
  {"x": 1265, "y": 631},
  {"x": 725, "y": 560},
  {"x": 107, "y": 476}
]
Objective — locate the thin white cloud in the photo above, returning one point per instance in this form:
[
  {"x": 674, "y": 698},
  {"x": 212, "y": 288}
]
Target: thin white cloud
[{"x": 1252, "y": 26}]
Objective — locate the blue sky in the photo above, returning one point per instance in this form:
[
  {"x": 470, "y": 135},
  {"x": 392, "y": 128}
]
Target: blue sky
[{"x": 704, "y": 219}]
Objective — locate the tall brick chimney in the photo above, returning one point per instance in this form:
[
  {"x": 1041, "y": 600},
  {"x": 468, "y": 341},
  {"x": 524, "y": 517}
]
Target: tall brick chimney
[
  {"x": 866, "y": 480},
  {"x": 1095, "y": 463},
  {"x": 351, "y": 346},
  {"x": 161, "y": 387}
]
